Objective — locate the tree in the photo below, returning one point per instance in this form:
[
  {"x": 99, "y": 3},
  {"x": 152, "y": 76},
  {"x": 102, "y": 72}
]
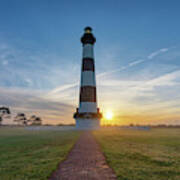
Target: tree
[
  {"x": 0, "y": 120},
  {"x": 21, "y": 119},
  {"x": 35, "y": 120},
  {"x": 4, "y": 112}
]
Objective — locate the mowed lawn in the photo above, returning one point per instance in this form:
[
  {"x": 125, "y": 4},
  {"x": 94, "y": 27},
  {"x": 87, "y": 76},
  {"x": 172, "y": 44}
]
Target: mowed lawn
[
  {"x": 32, "y": 155},
  {"x": 140, "y": 154}
]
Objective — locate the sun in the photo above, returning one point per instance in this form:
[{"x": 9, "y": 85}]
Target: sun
[{"x": 109, "y": 115}]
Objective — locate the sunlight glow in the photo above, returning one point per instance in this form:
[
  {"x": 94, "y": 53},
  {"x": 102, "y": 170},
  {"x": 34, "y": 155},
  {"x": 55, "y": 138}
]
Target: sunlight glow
[{"x": 109, "y": 115}]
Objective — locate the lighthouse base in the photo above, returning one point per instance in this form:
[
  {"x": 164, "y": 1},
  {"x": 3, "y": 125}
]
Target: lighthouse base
[{"x": 87, "y": 124}]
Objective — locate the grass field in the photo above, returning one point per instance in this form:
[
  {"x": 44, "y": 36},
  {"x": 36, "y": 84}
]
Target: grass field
[
  {"x": 32, "y": 155},
  {"x": 142, "y": 155}
]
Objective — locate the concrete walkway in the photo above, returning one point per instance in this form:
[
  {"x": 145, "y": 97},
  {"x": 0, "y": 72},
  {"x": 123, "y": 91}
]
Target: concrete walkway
[{"x": 84, "y": 162}]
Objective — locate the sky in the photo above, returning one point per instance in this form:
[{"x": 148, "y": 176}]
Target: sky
[{"x": 137, "y": 58}]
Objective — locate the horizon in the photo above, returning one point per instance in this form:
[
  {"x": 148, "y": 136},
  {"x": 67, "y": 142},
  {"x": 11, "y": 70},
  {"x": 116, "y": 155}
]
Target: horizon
[{"x": 136, "y": 58}]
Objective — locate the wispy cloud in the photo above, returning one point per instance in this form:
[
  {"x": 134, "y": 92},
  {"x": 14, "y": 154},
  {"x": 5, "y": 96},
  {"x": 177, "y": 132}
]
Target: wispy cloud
[
  {"x": 37, "y": 69},
  {"x": 134, "y": 63},
  {"x": 158, "y": 52},
  {"x": 154, "y": 96},
  {"x": 62, "y": 88}
]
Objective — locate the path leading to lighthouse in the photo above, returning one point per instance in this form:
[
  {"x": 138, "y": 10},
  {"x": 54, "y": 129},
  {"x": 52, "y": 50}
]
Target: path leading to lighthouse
[{"x": 84, "y": 162}]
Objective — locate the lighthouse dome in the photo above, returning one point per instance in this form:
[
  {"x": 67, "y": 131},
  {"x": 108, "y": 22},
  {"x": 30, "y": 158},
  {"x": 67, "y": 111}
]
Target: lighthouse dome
[{"x": 88, "y": 37}]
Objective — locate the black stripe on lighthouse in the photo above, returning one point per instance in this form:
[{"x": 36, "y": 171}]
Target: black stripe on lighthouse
[
  {"x": 88, "y": 94},
  {"x": 88, "y": 64}
]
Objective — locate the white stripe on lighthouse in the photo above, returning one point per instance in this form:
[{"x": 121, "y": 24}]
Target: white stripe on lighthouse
[
  {"x": 88, "y": 78},
  {"x": 88, "y": 51},
  {"x": 88, "y": 107}
]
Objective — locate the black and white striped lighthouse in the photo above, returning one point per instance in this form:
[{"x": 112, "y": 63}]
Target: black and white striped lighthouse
[{"x": 87, "y": 115}]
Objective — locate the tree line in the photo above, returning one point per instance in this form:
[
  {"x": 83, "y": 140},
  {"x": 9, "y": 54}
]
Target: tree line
[{"x": 20, "y": 118}]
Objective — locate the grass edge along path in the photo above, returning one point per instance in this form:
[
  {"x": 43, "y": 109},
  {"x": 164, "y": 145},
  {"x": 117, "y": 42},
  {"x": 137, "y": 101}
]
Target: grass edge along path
[{"x": 85, "y": 162}]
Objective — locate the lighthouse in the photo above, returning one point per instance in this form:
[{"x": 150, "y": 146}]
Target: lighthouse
[{"x": 87, "y": 115}]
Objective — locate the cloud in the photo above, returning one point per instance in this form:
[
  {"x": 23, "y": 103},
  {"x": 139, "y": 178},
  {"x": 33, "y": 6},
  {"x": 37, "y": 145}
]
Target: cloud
[
  {"x": 63, "y": 88},
  {"x": 156, "y": 97},
  {"x": 5, "y": 62},
  {"x": 158, "y": 52},
  {"x": 134, "y": 63},
  {"x": 31, "y": 102},
  {"x": 37, "y": 69},
  {"x": 29, "y": 82},
  {"x": 168, "y": 79}
]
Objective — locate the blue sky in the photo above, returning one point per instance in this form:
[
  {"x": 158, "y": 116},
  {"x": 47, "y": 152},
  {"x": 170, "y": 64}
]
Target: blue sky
[{"x": 137, "y": 57}]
